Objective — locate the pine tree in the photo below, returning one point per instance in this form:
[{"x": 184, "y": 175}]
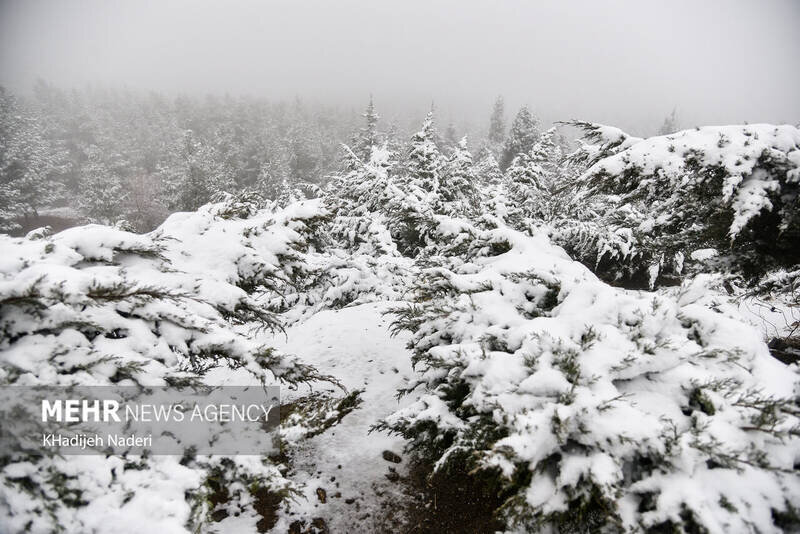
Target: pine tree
[
  {"x": 158, "y": 311},
  {"x": 601, "y": 141},
  {"x": 102, "y": 195},
  {"x": 497, "y": 123},
  {"x": 526, "y": 189},
  {"x": 394, "y": 140},
  {"x": 532, "y": 181},
  {"x": 487, "y": 170},
  {"x": 288, "y": 194},
  {"x": 413, "y": 193},
  {"x": 424, "y": 161},
  {"x": 30, "y": 163},
  {"x": 458, "y": 193},
  {"x": 523, "y": 135},
  {"x": 146, "y": 201},
  {"x": 450, "y": 139},
  {"x": 305, "y": 156},
  {"x": 273, "y": 172},
  {"x": 547, "y": 154},
  {"x": 195, "y": 174},
  {"x": 670, "y": 124},
  {"x": 362, "y": 189},
  {"x": 368, "y": 135}
]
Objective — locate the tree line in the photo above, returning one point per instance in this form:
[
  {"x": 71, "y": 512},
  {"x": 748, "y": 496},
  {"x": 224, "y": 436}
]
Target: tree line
[{"x": 119, "y": 156}]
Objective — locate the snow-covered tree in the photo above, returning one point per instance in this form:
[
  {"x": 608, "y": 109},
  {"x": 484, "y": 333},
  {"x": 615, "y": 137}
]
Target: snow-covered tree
[
  {"x": 424, "y": 161},
  {"x": 273, "y": 172},
  {"x": 30, "y": 164},
  {"x": 497, "y": 123},
  {"x": 363, "y": 188},
  {"x": 450, "y": 138},
  {"x": 670, "y": 124},
  {"x": 368, "y": 136},
  {"x": 394, "y": 140},
  {"x": 414, "y": 193},
  {"x": 532, "y": 181},
  {"x": 102, "y": 195},
  {"x": 601, "y": 141},
  {"x": 493, "y": 188},
  {"x": 487, "y": 169},
  {"x": 521, "y": 138},
  {"x": 288, "y": 193},
  {"x": 526, "y": 186},
  {"x": 458, "y": 192},
  {"x": 305, "y": 153},
  {"x": 146, "y": 205},
  {"x": 195, "y": 174}
]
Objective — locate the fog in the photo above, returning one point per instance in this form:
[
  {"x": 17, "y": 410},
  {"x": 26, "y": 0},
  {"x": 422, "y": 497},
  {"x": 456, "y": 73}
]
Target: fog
[{"x": 626, "y": 63}]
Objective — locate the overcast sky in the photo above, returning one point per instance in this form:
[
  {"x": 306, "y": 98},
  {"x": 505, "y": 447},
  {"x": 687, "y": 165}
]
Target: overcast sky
[{"x": 627, "y": 63}]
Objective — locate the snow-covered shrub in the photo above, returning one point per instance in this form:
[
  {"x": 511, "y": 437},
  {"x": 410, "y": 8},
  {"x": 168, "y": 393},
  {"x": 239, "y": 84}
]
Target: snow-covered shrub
[
  {"x": 645, "y": 209},
  {"x": 601, "y": 142},
  {"x": 296, "y": 260},
  {"x": 98, "y": 306},
  {"x": 324, "y": 253},
  {"x": 338, "y": 278},
  {"x": 591, "y": 408}
]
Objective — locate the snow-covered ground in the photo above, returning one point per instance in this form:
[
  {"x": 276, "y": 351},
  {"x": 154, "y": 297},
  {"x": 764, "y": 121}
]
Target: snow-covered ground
[{"x": 346, "y": 461}]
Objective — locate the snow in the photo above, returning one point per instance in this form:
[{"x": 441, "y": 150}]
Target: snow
[
  {"x": 577, "y": 386},
  {"x": 191, "y": 269},
  {"x": 751, "y": 198},
  {"x": 638, "y": 210},
  {"x": 173, "y": 297},
  {"x": 682, "y": 158},
  {"x": 607, "y": 370},
  {"x": 354, "y": 345},
  {"x": 703, "y": 254}
]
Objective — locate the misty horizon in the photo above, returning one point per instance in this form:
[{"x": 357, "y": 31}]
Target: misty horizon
[{"x": 622, "y": 63}]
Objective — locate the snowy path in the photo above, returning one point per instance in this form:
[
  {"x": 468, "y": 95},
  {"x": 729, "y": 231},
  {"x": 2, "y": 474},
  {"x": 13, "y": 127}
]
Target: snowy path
[{"x": 346, "y": 461}]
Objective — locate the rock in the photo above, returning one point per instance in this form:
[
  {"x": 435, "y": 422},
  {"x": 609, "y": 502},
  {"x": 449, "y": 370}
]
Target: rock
[
  {"x": 320, "y": 525},
  {"x": 390, "y": 456},
  {"x": 317, "y": 526},
  {"x": 393, "y": 475},
  {"x": 322, "y": 495},
  {"x": 351, "y": 500}
]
